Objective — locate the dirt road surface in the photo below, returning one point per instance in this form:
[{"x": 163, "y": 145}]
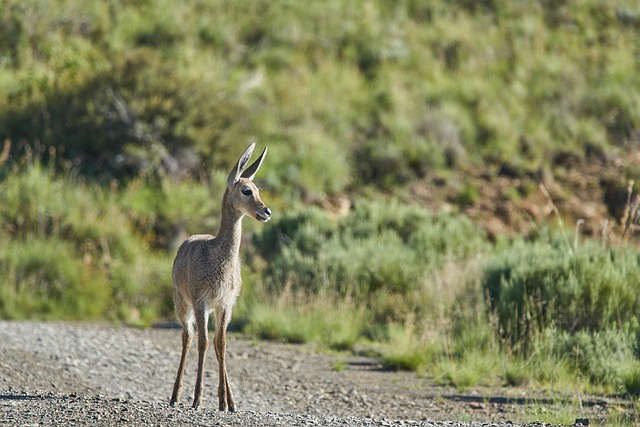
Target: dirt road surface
[{"x": 96, "y": 374}]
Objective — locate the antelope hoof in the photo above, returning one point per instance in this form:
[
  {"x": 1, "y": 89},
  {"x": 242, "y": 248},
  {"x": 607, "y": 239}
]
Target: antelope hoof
[{"x": 233, "y": 409}]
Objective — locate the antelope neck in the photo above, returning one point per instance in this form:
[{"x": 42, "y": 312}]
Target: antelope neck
[{"x": 230, "y": 231}]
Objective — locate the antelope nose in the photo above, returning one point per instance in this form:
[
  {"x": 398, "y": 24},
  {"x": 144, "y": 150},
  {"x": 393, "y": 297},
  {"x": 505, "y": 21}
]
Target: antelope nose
[{"x": 263, "y": 214}]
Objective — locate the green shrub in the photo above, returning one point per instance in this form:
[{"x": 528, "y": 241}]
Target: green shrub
[
  {"x": 533, "y": 286},
  {"x": 74, "y": 253},
  {"x": 468, "y": 195},
  {"x": 45, "y": 279},
  {"x": 434, "y": 237},
  {"x": 304, "y": 230},
  {"x": 378, "y": 247},
  {"x": 604, "y": 356},
  {"x": 395, "y": 262},
  {"x": 631, "y": 380}
]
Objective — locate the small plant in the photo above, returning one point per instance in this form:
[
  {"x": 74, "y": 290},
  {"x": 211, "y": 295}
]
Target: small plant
[
  {"x": 629, "y": 219},
  {"x": 406, "y": 351},
  {"x": 515, "y": 375},
  {"x": 321, "y": 319},
  {"x": 631, "y": 380},
  {"x": 339, "y": 365},
  {"x": 556, "y": 413},
  {"x": 468, "y": 195}
]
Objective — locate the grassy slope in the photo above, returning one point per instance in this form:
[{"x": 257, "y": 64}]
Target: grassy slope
[{"x": 123, "y": 118}]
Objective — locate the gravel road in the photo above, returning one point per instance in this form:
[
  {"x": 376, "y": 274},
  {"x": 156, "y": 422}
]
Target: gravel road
[{"x": 88, "y": 374}]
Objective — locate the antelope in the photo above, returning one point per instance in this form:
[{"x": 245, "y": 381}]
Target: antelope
[{"x": 206, "y": 278}]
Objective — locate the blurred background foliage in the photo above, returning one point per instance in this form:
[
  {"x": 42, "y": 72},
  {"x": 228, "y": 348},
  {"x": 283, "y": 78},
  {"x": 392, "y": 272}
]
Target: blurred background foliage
[{"x": 399, "y": 134}]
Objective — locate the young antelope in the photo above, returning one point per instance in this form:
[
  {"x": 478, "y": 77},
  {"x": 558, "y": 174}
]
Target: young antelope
[{"x": 206, "y": 278}]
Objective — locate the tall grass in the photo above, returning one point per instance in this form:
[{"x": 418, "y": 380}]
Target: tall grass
[{"x": 331, "y": 322}]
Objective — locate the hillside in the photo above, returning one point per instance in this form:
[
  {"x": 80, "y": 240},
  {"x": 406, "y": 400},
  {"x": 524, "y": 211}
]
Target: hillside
[{"x": 464, "y": 102}]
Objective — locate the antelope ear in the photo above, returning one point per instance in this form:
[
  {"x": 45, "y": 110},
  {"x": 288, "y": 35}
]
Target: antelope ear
[
  {"x": 250, "y": 172},
  {"x": 234, "y": 175}
]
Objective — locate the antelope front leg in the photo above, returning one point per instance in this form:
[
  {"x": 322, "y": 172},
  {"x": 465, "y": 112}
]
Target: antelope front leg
[
  {"x": 187, "y": 333},
  {"x": 203, "y": 344},
  {"x": 230, "y": 400}
]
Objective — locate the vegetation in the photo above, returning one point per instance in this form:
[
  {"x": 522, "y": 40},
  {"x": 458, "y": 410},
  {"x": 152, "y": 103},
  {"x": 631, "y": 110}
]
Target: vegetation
[{"x": 122, "y": 118}]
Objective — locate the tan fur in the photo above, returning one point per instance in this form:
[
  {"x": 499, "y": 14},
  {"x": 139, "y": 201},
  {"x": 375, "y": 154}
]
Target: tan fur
[{"x": 206, "y": 277}]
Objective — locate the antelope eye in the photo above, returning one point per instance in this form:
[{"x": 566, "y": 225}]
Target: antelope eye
[{"x": 247, "y": 191}]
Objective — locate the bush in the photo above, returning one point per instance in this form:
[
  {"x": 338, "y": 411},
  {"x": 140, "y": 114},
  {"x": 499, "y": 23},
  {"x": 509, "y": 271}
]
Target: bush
[
  {"x": 533, "y": 286},
  {"x": 383, "y": 255},
  {"x": 74, "y": 253},
  {"x": 43, "y": 279},
  {"x": 604, "y": 357},
  {"x": 631, "y": 380}
]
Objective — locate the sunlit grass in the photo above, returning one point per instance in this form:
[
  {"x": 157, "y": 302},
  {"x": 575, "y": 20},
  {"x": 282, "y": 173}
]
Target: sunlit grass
[
  {"x": 631, "y": 379},
  {"x": 406, "y": 349},
  {"x": 554, "y": 412},
  {"x": 347, "y": 94},
  {"x": 333, "y": 323}
]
